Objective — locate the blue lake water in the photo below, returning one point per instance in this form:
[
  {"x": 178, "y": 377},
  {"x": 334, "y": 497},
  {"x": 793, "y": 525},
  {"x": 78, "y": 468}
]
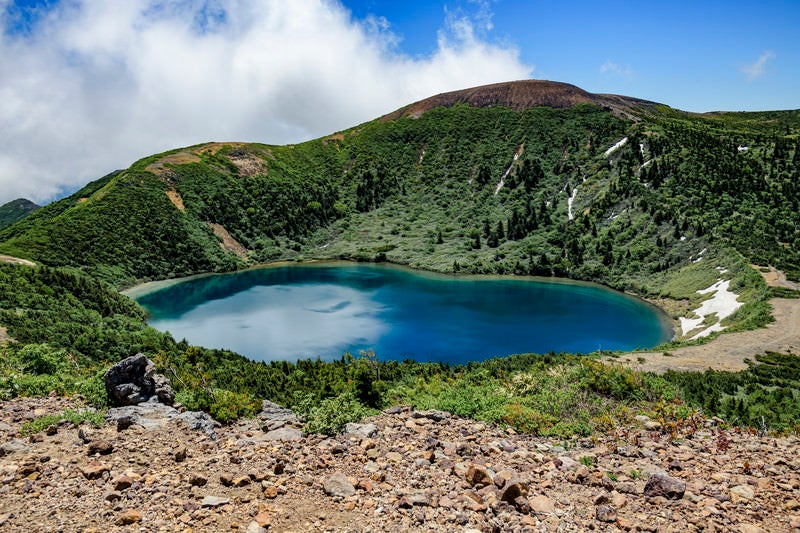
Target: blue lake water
[{"x": 324, "y": 310}]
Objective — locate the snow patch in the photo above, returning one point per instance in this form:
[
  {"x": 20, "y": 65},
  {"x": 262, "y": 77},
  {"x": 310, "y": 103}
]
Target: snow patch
[
  {"x": 508, "y": 170},
  {"x": 723, "y": 303},
  {"x": 742, "y": 148},
  {"x": 571, "y": 199},
  {"x": 616, "y": 147}
]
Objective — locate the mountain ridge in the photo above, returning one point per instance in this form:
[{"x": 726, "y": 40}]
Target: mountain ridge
[{"x": 523, "y": 94}]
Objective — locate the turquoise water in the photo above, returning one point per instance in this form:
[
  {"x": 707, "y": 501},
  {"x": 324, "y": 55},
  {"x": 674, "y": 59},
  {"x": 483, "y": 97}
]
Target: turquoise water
[{"x": 309, "y": 311}]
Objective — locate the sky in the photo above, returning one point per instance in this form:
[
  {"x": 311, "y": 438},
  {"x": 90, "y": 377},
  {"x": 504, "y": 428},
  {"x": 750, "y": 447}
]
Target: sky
[{"x": 90, "y": 86}]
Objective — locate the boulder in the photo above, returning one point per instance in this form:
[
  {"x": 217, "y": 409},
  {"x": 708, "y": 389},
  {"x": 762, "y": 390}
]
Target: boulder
[
  {"x": 666, "y": 486},
  {"x": 337, "y": 484},
  {"x": 133, "y": 381},
  {"x": 364, "y": 431}
]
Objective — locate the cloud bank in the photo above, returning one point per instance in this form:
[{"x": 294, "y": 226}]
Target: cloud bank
[{"x": 91, "y": 85}]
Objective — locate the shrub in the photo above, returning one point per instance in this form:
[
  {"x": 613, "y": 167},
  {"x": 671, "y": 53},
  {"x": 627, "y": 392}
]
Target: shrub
[{"x": 329, "y": 415}]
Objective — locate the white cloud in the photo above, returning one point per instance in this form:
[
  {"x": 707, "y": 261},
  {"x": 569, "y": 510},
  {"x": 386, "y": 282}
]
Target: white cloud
[
  {"x": 97, "y": 84},
  {"x": 609, "y": 67},
  {"x": 757, "y": 69}
]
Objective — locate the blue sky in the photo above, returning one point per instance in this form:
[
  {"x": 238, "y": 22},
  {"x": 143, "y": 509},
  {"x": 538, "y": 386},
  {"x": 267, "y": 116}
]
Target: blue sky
[
  {"x": 89, "y": 86},
  {"x": 696, "y": 55}
]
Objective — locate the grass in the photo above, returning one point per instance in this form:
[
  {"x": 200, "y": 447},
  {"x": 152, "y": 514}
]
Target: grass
[{"x": 70, "y": 416}]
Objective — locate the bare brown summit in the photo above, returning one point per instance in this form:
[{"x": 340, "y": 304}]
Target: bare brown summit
[{"x": 521, "y": 95}]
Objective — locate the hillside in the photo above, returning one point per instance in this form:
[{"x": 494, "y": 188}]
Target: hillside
[
  {"x": 16, "y": 210},
  {"x": 638, "y": 196}
]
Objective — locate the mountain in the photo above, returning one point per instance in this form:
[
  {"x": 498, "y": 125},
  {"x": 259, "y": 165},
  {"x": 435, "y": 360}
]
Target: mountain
[
  {"x": 522, "y": 95},
  {"x": 528, "y": 177},
  {"x": 16, "y": 210}
]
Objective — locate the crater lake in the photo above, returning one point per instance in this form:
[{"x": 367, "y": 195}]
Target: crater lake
[{"x": 322, "y": 310}]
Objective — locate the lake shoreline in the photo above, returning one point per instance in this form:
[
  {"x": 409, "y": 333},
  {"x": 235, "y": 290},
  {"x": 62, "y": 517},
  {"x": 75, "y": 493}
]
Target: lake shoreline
[{"x": 546, "y": 326}]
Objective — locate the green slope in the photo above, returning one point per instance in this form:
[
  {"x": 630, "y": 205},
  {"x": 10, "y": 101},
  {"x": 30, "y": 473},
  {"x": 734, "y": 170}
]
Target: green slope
[{"x": 16, "y": 210}]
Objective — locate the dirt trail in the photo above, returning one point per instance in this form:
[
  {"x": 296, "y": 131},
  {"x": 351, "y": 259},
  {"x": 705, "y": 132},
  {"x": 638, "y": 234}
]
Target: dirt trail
[
  {"x": 729, "y": 351},
  {"x": 15, "y": 260}
]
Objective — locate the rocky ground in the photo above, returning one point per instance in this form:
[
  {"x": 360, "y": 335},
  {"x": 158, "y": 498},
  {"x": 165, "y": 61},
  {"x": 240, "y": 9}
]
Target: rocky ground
[{"x": 403, "y": 470}]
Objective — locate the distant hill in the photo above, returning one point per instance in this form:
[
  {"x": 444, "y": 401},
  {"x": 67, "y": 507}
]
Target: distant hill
[{"x": 16, "y": 210}]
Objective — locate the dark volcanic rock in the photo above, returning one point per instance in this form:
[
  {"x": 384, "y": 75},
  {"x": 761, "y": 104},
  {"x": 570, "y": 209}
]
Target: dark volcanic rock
[{"x": 133, "y": 381}]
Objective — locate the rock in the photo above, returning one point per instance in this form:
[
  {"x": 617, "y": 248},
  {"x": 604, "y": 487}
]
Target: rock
[
  {"x": 180, "y": 454},
  {"x": 122, "y": 482},
  {"x": 478, "y": 475},
  {"x": 750, "y": 528},
  {"x": 542, "y": 505},
  {"x": 214, "y": 501},
  {"x": 566, "y": 464},
  {"x": 664, "y": 485},
  {"x": 94, "y": 470},
  {"x": 274, "y": 416},
  {"x": 13, "y": 446},
  {"x": 431, "y": 414},
  {"x": 604, "y": 513},
  {"x": 284, "y": 434},
  {"x": 513, "y": 489},
  {"x": 123, "y": 423},
  {"x": 101, "y": 447},
  {"x": 197, "y": 480},
  {"x": 128, "y": 517},
  {"x": 741, "y": 493},
  {"x": 254, "y": 527},
  {"x": 241, "y": 481},
  {"x": 133, "y": 381},
  {"x": 364, "y": 431},
  {"x": 337, "y": 484}
]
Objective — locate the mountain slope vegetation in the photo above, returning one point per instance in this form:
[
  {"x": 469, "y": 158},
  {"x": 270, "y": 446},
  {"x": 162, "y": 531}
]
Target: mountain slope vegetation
[
  {"x": 526, "y": 178},
  {"x": 16, "y": 210}
]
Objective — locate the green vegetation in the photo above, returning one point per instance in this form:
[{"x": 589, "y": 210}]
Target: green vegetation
[
  {"x": 16, "y": 210},
  {"x": 687, "y": 200},
  {"x": 70, "y": 416}
]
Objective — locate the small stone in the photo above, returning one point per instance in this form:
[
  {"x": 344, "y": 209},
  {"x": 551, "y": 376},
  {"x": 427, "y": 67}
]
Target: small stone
[
  {"x": 741, "y": 493},
  {"x": 270, "y": 492},
  {"x": 364, "y": 431},
  {"x": 13, "y": 446},
  {"x": 542, "y": 505},
  {"x": 112, "y": 496},
  {"x": 180, "y": 454},
  {"x": 214, "y": 501},
  {"x": 101, "y": 447},
  {"x": 394, "y": 457},
  {"x": 284, "y": 434},
  {"x": 604, "y": 513},
  {"x": 94, "y": 470},
  {"x": 478, "y": 475},
  {"x": 122, "y": 482},
  {"x": 664, "y": 485},
  {"x": 197, "y": 480},
  {"x": 128, "y": 517},
  {"x": 241, "y": 481},
  {"x": 337, "y": 484},
  {"x": 226, "y": 479},
  {"x": 365, "y": 485},
  {"x": 263, "y": 519},
  {"x": 750, "y": 528},
  {"x": 254, "y": 527},
  {"x": 124, "y": 422}
]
